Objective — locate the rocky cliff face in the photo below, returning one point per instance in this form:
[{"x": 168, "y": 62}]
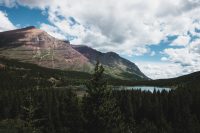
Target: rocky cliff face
[{"x": 36, "y": 46}]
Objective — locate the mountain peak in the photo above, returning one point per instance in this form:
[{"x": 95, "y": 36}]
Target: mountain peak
[
  {"x": 113, "y": 54},
  {"x": 29, "y": 28}
]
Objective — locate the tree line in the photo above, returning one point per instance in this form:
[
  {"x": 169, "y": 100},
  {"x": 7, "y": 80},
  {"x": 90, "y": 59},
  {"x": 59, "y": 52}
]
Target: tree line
[{"x": 29, "y": 109}]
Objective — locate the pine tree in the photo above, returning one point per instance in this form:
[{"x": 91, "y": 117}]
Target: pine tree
[
  {"x": 29, "y": 112},
  {"x": 100, "y": 108}
]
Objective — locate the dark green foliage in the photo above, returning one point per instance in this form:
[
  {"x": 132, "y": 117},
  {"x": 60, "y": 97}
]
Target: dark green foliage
[
  {"x": 43, "y": 110},
  {"x": 30, "y": 102},
  {"x": 161, "y": 112},
  {"x": 100, "y": 108}
]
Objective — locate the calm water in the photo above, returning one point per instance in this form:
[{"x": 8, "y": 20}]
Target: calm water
[{"x": 145, "y": 88}]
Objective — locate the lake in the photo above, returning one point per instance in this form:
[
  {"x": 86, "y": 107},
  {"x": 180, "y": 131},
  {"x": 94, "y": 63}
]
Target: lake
[{"x": 145, "y": 88}]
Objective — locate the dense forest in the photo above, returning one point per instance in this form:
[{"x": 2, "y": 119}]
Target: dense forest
[{"x": 29, "y": 103}]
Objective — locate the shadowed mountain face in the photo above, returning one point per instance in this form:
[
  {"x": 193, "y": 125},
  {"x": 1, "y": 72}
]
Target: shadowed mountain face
[
  {"x": 113, "y": 63},
  {"x": 36, "y": 46}
]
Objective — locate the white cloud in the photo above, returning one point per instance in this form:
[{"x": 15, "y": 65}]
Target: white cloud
[
  {"x": 5, "y": 23},
  {"x": 188, "y": 57},
  {"x": 30, "y": 3},
  {"x": 195, "y": 46},
  {"x": 164, "y": 59},
  {"x": 121, "y": 26},
  {"x": 159, "y": 70},
  {"x": 8, "y": 3},
  {"x": 53, "y": 31},
  {"x": 162, "y": 70},
  {"x": 181, "y": 41}
]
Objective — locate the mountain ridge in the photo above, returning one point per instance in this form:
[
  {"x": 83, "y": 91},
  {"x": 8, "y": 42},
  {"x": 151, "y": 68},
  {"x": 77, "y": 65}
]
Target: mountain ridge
[
  {"x": 110, "y": 59},
  {"x": 36, "y": 46}
]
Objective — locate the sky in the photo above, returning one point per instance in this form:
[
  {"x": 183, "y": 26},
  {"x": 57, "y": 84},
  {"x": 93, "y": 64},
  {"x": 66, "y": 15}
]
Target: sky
[{"x": 161, "y": 36}]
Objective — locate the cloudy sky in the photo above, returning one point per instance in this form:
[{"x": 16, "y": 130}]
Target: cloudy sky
[{"x": 161, "y": 36}]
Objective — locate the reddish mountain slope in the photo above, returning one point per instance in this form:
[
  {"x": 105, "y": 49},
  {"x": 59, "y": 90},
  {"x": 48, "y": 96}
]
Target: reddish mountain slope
[{"x": 36, "y": 46}]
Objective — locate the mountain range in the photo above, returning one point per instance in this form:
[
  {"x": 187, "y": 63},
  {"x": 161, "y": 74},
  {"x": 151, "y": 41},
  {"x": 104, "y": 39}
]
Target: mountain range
[{"x": 32, "y": 45}]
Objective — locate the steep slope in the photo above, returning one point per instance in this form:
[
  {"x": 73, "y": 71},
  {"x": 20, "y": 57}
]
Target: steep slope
[
  {"x": 36, "y": 46},
  {"x": 114, "y": 64}
]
